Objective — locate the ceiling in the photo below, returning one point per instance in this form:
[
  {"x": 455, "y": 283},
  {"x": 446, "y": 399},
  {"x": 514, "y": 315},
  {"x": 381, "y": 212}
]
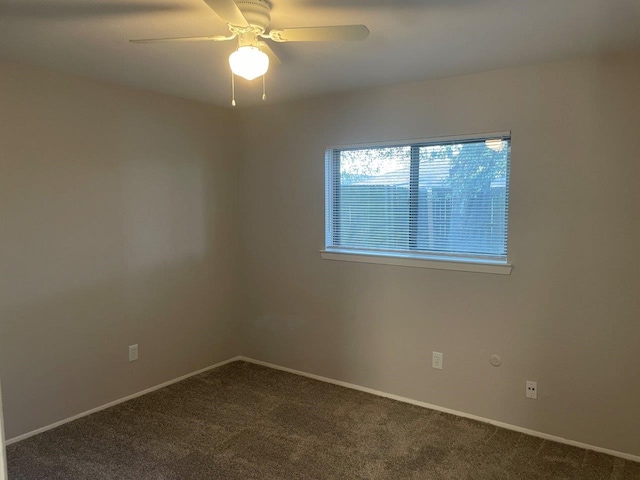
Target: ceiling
[{"x": 410, "y": 40}]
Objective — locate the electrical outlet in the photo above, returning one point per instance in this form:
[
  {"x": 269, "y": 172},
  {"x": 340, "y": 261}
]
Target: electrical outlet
[
  {"x": 532, "y": 390},
  {"x": 436, "y": 360},
  {"x": 133, "y": 352}
]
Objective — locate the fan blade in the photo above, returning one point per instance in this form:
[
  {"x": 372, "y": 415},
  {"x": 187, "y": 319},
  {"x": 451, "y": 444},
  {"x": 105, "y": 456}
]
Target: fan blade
[
  {"x": 228, "y": 11},
  {"x": 273, "y": 58},
  {"x": 210, "y": 38},
  {"x": 320, "y": 34}
]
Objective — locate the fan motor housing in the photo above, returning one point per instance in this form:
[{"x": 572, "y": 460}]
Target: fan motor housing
[{"x": 257, "y": 12}]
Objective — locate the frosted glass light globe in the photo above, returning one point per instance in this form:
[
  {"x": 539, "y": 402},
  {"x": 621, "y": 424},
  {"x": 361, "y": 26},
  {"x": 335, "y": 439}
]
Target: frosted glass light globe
[{"x": 249, "y": 62}]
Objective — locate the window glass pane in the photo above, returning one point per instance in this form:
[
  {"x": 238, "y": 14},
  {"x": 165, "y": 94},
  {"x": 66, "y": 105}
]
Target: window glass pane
[
  {"x": 462, "y": 198},
  {"x": 373, "y": 201}
]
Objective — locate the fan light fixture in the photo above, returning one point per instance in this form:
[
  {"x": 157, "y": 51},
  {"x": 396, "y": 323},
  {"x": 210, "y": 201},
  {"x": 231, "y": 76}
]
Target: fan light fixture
[
  {"x": 249, "y": 62},
  {"x": 248, "y": 22}
]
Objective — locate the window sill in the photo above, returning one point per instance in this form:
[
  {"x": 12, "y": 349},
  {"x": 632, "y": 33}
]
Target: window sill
[{"x": 418, "y": 262}]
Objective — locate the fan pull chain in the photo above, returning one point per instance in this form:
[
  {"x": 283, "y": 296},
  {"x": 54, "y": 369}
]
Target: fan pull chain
[
  {"x": 264, "y": 89},
  {"x": 233, "y": 90}
]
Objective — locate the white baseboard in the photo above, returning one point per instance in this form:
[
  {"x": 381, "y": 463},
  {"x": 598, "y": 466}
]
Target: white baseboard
[
  {"x": 116, "y": 402},
  {"x": 534, "y": 433},
  {"x": 515, "y": 428}
]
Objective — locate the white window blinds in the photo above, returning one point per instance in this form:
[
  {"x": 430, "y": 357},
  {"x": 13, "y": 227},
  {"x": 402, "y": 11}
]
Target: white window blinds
[{"x": 428, "y": 199}]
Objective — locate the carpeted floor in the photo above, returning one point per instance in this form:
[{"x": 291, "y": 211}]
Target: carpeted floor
[{"x": 243, "y": 421}]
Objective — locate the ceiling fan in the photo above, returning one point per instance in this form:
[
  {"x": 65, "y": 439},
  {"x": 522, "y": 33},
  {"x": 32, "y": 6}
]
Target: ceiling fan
[{"x": 248, "y": 21}]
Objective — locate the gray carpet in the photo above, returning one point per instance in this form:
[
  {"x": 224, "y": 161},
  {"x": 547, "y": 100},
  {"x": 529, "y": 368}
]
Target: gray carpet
[{"x": 243, "y": 421}]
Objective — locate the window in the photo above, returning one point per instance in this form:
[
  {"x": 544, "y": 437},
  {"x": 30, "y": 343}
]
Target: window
[{"x": 434, "y": 203}]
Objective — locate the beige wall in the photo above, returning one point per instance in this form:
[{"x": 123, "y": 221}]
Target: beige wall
[
  {"x": 567, "y": 317},
  {"x": 117, "y": 226}
]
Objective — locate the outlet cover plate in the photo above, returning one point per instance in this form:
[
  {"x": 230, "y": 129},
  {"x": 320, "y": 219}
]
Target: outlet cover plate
[
  {"x": 133, "y": 352},
  {"x": 532, "y": 390},
  {"x": 436, "y": 360}
]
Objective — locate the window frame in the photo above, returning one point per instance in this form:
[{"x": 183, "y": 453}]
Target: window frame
[{"x": 458, "y": 262}]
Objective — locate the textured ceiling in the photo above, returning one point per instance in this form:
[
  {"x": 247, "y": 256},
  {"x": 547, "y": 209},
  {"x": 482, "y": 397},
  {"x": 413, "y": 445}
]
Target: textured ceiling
[{"x": 410, "y": 40}]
